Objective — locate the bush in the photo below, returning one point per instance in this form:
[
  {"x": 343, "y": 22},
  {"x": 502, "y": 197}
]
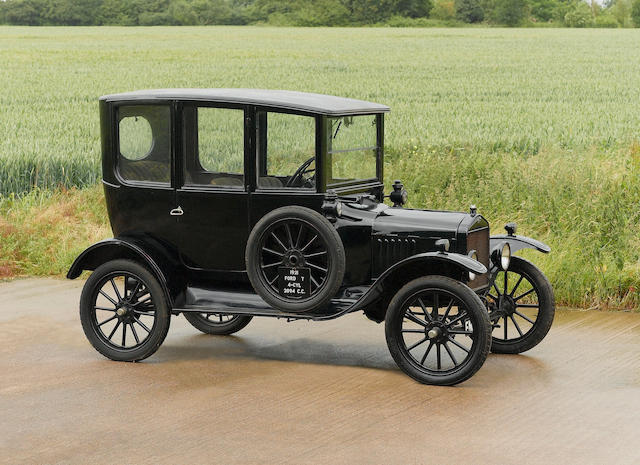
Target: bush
[
  {"x": 469, "y": 11},
  {"x": 401, "y": 21},
  {"x": 580, "y": 15},
  {"x": 510, "y": 12},
  {"x": 24, "y": 12},
  {"x": 606, "y": 20},
  {"x": 635, "y": 13},
  {"x": 622, "y": 11},
  {"x": 543, "y": 10},
  {"x": 302, "y": 13},
  {"x": 444, "y": 10},
  {"x": 414, "y": 8},
  {"x": 212, "y": 11},
  {"x": 155, "y": 19}
]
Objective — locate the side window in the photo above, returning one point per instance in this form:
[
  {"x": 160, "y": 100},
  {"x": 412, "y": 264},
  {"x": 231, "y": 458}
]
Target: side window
[
  {"x": 144, "y": 143},
  {"x": 214, "y": 147},
  {"x": 286, "y": 150}
]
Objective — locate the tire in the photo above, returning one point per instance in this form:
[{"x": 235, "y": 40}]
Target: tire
[
  {"x": 532, "y": 291},
  {"x": 300, "y": 239},
  {"x": 117, "y": 301},
  {"x": 215, "y": 323},
  {"x": 415, "y": 315}
]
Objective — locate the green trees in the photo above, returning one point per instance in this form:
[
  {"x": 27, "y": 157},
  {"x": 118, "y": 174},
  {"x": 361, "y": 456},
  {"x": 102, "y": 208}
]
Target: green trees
[
  {"x": 572, "y": 13},
  {"x": 635, "y": 13},
  {"x": 543, "y": 10},
  {"x": 579, "y": 15},
  {"x": 621, "y": 9},
  {"x": 414, "y": 8},
  {"x": 510, "y": 12},
  {"x": 26, "y": 12},
  {"x": 444, "y": 10},
  {"x": 469, "y": 11}
]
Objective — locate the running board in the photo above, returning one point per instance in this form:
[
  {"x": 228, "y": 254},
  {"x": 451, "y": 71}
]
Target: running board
[{"x": 245, "y": 302}]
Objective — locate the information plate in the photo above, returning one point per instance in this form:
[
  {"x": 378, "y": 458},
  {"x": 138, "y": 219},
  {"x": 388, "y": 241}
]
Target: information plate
[{"x": 294, "y": 282}]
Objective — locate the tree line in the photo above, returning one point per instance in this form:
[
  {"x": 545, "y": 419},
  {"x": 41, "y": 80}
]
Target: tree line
[{"x": 419, "y": 13}]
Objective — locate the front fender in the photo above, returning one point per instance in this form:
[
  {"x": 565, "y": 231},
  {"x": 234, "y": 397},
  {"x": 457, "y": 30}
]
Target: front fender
[
  {"x": 436, "y": 258},
  {"x": 161, "y": 265},
  {"x": 518, "y": 243},
  {"x": 428, "y": 263}
]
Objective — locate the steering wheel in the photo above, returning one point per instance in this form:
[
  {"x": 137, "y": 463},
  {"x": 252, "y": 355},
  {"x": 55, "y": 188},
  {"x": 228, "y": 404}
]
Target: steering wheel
[{"x": 298, "y": 176}]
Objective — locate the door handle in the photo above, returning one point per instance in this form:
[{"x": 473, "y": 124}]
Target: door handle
[{"x": 176, "y": 212}]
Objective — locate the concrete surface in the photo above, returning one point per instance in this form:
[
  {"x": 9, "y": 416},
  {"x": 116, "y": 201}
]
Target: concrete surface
[{"x": 303, "y": 392}]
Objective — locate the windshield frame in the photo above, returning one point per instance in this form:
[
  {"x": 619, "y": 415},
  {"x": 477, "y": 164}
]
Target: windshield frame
[{"x": 378, "y": 149}]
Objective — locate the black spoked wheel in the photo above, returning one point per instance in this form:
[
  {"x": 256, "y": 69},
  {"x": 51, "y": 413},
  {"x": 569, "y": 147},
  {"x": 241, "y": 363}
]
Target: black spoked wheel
[
  {"x": 522, "y": 307},
  {"x": 301, "y": 242},
  {"x": 217, "y": 323},
  {"x": 438, "y": 330},
  {"x": 294, "y": 243},
  {"x": 123, "y": 311}
]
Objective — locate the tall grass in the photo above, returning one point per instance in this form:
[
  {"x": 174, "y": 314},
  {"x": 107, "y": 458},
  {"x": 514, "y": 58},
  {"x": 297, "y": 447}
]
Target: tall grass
[
  {"x": 536, "y": 126},
  {"x": 585, "y": 206},
  {"x": 495, "y": 90}
]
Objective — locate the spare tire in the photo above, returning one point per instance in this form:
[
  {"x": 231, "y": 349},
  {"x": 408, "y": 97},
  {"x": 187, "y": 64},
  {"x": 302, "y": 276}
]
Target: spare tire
[{"x": 295, "y": 259}]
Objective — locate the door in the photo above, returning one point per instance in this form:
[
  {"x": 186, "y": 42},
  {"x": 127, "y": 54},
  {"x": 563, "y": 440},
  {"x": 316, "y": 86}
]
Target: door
[
  {"x": 213, "y": 198},
  {"x": 141, "y": 204}
]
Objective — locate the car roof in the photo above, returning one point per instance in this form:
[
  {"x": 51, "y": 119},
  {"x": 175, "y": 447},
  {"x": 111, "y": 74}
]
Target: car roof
[{"x": 283, "y": 99}]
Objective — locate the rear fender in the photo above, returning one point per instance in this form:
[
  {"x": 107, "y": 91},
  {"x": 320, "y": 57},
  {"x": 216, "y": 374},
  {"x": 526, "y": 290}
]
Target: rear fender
[{"x": 147, "y": 253}]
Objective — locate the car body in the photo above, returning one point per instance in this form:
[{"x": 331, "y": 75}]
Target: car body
[{"x": 215, "y": 191}]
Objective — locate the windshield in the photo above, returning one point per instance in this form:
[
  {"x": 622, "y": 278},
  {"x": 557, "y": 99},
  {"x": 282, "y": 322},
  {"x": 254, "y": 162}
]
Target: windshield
[{"x": 352, "y": 148}]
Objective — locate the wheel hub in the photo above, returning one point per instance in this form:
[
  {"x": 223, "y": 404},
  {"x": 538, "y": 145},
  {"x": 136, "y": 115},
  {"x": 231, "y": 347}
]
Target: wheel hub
[
  {"x": 507, "y": 305},
  {"x": 436, "y": 332},
  {"x": 294, "y": 258}
]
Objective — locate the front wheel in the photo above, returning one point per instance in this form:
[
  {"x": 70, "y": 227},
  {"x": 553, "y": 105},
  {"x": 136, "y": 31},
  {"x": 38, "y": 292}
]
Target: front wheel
[
  {"x": 438, "y": 330},
  {"x": 217, "y": 323},
  {"x": 522, "y": 306},
  {"x": 124, "y": 312}
]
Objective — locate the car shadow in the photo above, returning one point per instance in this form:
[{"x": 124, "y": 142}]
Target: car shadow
[
  {"x": 304, "y": 350},
  {"x": 499, "y": 368}
]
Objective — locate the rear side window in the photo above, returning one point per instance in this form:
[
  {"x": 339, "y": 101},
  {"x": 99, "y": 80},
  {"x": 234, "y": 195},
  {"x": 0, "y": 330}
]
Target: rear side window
[{"x": 144, "y": 143}]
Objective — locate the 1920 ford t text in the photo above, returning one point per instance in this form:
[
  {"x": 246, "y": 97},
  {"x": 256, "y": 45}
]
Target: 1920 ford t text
[{"x": 227, "y": 204}]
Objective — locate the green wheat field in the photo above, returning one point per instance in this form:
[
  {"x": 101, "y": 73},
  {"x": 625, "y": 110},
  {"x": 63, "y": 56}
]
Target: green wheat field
[{"x": 537, "y": 126}]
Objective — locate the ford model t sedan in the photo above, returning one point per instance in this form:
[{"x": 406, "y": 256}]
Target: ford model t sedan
[{"x": 227, "y": 204}]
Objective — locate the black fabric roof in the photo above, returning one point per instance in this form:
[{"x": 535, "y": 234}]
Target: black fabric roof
[{"x": 285, "y": 99}]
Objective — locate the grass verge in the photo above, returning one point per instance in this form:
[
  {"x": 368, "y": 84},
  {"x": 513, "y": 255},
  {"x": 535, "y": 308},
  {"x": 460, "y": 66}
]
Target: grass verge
[
  {"x": 584, "y": 205},
  {"x": 42, "y": 232}
]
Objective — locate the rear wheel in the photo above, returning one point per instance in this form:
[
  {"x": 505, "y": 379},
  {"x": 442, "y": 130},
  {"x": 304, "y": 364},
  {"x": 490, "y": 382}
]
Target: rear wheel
[
  {"x": 438, "y": 330},
  {"x": 522, "y": 307},
  {"x": 124, "y": 312},
  {"x": 217, "y": 323}
]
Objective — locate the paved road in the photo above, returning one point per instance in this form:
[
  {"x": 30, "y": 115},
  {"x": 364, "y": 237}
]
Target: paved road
[{"x": 306, "y": 392}]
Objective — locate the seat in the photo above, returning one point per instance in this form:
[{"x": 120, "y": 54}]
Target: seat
[
  {"x": 270, "y": 182},
  {"x": 144, "y": 170},
  {"x": 206, "y": 178}
]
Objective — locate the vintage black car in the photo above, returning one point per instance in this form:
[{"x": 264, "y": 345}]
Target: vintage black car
[{"x": 227, "y": 204}]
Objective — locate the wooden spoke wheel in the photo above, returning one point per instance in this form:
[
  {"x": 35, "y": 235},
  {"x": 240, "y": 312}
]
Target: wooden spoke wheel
[
  {"x": 438, "y": 330},
  {"x": 522, "y": 307},
  {"x": 217, "y": 323},
  {"x": 295, "y": 259},
  {"x": 123, "y": 311}
]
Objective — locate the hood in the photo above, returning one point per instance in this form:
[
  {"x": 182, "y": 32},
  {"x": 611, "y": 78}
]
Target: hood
[{"x": 426, "y": 224}]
